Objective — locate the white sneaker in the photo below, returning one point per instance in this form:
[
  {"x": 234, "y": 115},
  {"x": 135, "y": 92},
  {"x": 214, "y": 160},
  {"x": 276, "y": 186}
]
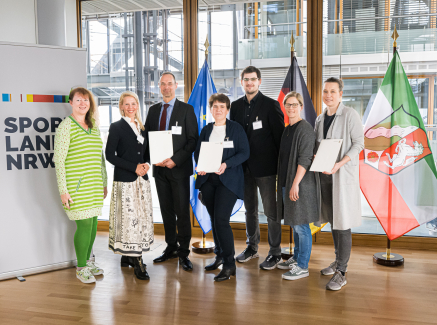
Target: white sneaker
[
  {"x": 295, "y": 273},
  {"x": 85, "y": 275},
  {"x": 95, "y": 270},
  {"x": 287, "y": 264}
]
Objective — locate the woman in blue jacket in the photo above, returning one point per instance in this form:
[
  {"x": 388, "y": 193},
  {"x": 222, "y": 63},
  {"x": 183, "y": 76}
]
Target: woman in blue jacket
[{"x": 221, "y": 190}]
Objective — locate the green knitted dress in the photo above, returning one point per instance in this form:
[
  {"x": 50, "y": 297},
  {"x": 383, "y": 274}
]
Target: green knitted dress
[{"x": 80, "y": 168}]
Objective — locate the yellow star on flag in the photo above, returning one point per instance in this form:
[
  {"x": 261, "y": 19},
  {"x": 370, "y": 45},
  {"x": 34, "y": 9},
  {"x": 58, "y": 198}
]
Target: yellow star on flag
[{"x": 204, "y": 117}]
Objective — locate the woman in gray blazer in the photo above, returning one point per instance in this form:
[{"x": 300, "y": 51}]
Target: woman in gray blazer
[
  {"x": 297, "y": 203},
  {"x": 340, "y": 187}
]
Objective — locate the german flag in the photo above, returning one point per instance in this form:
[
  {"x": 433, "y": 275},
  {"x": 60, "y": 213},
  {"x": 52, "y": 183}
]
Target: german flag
[{"x": 294, "y": 81}]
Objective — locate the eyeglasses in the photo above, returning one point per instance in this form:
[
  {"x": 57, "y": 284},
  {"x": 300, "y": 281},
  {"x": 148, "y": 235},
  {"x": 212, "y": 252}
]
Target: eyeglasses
[
  {"x": 251, "y": 79},
  {"x": 294, "y": 105}
]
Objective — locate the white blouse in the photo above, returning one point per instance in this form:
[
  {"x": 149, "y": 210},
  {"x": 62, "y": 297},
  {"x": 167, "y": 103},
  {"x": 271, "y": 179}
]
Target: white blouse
[
  {"x": 135, "y": 126},
  {"x": 218, "y": 134}
]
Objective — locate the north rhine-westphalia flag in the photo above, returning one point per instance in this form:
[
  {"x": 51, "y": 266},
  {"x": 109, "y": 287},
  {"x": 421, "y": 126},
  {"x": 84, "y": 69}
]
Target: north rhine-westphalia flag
[
  {"x": 398, "y": 174},
  {"x": 294, "y": 81},
  {"x": 203, "y": 89}
]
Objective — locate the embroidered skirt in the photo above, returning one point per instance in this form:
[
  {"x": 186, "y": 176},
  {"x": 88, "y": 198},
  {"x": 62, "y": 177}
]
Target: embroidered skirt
[{"x": 131, "y": 218}]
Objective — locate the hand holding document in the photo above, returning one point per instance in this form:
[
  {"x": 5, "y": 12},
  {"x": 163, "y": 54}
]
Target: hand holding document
[
  {"x": 161, "y": 146},
  {"x": 326, "y": 156},
  {"x": 210, "y": 157}
]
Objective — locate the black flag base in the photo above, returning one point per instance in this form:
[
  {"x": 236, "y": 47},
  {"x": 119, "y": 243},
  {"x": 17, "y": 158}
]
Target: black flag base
[
  {"x": 203, "y": 247},
  {"x": 388, "y": 259},
  {"x": 287, "y": 253}
]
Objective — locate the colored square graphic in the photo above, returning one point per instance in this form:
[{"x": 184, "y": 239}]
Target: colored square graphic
[
  {"x": 33, "y": 98},
  {"x": 6, "y": 97}
]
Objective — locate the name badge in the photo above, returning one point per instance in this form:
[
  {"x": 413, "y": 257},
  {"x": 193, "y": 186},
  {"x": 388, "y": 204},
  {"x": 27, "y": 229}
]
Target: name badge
[
  {"x": 176, "y": 129},
  {"x": 257, "y": 125},
  {"x": 228, "y": 144},
  {"x": 140, "y": 139}
]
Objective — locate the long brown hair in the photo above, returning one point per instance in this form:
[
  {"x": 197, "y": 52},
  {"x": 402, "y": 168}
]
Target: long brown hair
[{"x": 89, "y": 117}]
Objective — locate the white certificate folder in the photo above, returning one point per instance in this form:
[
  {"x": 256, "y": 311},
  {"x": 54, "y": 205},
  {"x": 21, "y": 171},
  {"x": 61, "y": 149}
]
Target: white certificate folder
[
  {"x": 326, "y": 155},
  {"x": 210, "y": 157},
  {"x": 161, "y": 146}
]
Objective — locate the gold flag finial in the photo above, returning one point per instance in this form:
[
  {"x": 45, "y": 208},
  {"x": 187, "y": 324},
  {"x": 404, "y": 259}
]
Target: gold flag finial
[
  {"x": 292, "y": 40},
  {"x": 206, "y": 45},
  {"x": 395, "y": 36}
]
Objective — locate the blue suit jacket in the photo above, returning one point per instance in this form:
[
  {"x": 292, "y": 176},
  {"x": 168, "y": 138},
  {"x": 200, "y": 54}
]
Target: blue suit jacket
[{"x": 233, "y": 177}]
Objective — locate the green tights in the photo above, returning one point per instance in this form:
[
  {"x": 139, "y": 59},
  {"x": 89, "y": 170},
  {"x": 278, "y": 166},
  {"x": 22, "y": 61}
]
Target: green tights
[{"x": 84, "y": 239}]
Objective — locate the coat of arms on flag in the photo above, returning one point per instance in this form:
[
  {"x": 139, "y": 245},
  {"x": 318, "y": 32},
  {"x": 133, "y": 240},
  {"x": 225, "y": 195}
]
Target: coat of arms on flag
[
  {"x": 395, "y": 142},
  {"x": 398, "y": 174}
]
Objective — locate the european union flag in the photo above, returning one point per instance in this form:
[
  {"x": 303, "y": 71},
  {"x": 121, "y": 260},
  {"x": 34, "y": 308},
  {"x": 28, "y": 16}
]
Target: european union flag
[{"x": 203, "y": 89}]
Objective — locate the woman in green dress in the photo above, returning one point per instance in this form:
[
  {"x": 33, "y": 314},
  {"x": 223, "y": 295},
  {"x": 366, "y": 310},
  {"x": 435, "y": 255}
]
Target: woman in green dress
[{"x": 81, "y": 175}]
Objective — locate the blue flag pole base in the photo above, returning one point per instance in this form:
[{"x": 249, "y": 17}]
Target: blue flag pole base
[{"x": 203, "y": 246}]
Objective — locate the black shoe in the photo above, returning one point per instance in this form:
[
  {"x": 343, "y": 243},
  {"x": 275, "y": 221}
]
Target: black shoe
[
  {"x": 166, "y": 256},
  {"x": 271, "y": 262},
  {"x": 225, "y": 274},
  {"x": 247, "y": 255},
  {"x": 214, "y": 265},
  {"x": 186, "y": 263},
  {"x": 126, "y": 261},
  {"x": 140, "y": 269}
]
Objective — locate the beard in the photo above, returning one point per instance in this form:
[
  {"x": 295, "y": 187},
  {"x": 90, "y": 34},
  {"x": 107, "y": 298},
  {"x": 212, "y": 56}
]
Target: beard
[{"x": 251, "y": 92}]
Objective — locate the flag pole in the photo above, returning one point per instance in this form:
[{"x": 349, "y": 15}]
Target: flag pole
[
  {"x": 388, "y": 258},
  {"x": 203, "y": 246},
  {"x": 287, "y": 252}
]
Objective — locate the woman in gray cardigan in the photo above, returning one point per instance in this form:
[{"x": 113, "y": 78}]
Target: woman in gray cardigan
[
  {"x": 340, "y": 187},
  {"x": 298, "y": 204}
]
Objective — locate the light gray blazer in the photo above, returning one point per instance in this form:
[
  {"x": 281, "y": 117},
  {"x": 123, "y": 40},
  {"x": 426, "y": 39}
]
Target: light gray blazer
[{"x": 346, "y": 193}]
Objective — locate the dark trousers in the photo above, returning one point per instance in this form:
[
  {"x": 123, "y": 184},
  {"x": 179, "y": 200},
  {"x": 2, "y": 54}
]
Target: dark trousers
[
  {"x": 267, "y": 189},
  {"x": 174, "y": 200},
  {"x": 219, "y": 202}
]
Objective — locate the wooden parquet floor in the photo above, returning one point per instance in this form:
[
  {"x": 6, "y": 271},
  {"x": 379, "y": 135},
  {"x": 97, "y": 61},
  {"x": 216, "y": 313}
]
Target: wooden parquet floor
[{"x": 374, "y": 294}]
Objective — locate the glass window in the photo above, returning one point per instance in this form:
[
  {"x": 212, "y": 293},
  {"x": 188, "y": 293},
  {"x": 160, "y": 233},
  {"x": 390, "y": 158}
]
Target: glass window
[
  {"x": 357, "y": 47},
  {"x": 113, "y": 62},
  {"x": 252, "y": 34}
]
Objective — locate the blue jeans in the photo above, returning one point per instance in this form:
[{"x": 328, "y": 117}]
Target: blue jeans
[{"x": 303, "y": 241}]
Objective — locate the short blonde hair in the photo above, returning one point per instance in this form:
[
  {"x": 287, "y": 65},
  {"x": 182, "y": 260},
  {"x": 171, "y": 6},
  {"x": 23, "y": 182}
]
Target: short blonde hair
[
  {"x": 137, "y": 114},
  {"x": 294, "y": 94}
]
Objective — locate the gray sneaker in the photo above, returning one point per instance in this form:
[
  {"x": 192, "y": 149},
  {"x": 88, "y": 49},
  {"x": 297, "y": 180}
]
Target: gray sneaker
[
  {"x": 337, "y": 282},
  {"x": 330, "y": 269},
  {"x": 287, "y": 264},
  {"x": 295, "y": 273},
  {"x": 247, "y": 255},
  {"x": 270, "y": 263}
]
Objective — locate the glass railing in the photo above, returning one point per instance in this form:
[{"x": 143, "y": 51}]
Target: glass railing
[
  {"x": 369, "y": 42},
  {"x": 274, "y": 46},
  {"x": 415, "y": 40}
]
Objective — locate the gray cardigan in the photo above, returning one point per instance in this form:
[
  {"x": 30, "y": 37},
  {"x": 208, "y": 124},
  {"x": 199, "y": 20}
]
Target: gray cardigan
[
  {"x": 346, "y": 193},
  {"x": 305, "y": 210}
]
